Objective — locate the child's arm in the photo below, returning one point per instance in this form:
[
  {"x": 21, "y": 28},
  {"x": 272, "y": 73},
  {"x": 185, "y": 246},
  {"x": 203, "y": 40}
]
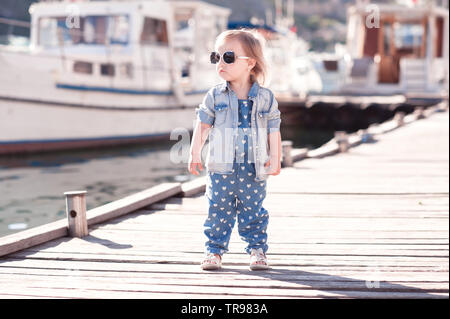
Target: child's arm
[
  {"x": 274, "y": 138},
  {"x": 274, "y": 162},
  {"x": 199, "y": 137},
  {"x": 205, "y": 120}
]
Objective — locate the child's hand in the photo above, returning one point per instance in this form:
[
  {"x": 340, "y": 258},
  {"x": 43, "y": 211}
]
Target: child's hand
[
  {"x": 194, "y": 162},
  {"x": 274, "y": 168}
]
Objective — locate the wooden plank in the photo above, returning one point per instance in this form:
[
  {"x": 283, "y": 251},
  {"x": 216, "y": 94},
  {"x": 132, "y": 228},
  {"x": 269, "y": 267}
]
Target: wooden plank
[
  {"x": 319, "y": 237},
  {"x": 341, "y": 225},
  {"x": 395, "y": 214},
  {"x": 114, "y": 283},
  {"x": 38, "y": 235},
  {"x": 298, "y": 154},
  {"x": 87, "y": 288},
  {"x": 297, "y": 258},
  {"x": 322, "y": 212},
  {"x": 397, "y": 276},
  {"x": 296, "y": 289},
  {"x": 193, "y": 187},
  {"x": 433, "y": 271},
  {"x": 42, "y": 293},
  {"x": 415, "y": 220},
  {"x": 102, "y": 246},
  {"x": 32, "y": 237},
  {"x": 131, "y": 203},
  {"x": 327, "y": 149}
]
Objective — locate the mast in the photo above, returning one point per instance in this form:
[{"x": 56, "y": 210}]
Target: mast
[{"x": 284, "y": 13}]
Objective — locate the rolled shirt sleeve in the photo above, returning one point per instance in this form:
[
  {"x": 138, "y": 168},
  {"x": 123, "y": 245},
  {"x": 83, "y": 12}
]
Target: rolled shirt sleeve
[
  {"x": 205, "y": 110},
  {"x": 274, "y": 119}
]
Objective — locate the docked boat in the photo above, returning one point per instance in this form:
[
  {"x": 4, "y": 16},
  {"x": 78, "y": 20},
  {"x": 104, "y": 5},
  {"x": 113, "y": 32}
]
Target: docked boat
[
  {"x": 291, "y": 72},
  {"x": 331, "y": 69},
  {"x": 399, "y": 48},
  {"x": 282, "y": 49},
  {"x": 106, "y": 72}
]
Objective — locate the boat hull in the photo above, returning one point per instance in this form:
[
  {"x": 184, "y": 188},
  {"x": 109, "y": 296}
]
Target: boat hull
[{"x": 33, "y": 127}]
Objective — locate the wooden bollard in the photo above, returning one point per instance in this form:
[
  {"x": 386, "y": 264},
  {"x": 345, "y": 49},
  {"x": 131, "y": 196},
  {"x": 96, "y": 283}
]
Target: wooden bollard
[
  {"x": 443, "y": 106},
  {"x": 76, "y": 213},
  {"x": 286, "y": 149},
  {"x": 399, "y": 117},
  {"x": 419, "y": 112},
  {"x": 341, "y": 139}
]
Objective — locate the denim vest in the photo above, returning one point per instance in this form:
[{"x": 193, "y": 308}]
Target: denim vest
[{"x": 220, "y": 109}]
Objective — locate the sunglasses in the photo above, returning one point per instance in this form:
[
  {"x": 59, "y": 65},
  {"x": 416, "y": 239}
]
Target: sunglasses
[{"x": 228, "y": 57}]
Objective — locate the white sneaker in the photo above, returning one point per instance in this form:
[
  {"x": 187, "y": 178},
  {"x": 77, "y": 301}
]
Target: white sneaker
[
  {"x": 258, "y": 260},
  {"x": 211, "y": 262}
]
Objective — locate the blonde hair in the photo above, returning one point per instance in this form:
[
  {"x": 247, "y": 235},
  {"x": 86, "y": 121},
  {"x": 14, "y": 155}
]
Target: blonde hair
[{"x": 253, "y": 44}]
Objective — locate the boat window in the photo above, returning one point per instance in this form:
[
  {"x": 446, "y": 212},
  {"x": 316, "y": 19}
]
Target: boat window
[
  {"x": 82, "y": 67},
  {"x": 99, "y": 30},
  {"x": 183, "y": 40},
  {"x": 330, "y": 65},
  {"x": 107, "y": 69},
  {"x": 95, "y": 30},
  {"x": 387, "y": 35},
  {"x": 408, "y": 38},
  {"x": 154, "y": 32},
  {"x": 118, "y": 29}
]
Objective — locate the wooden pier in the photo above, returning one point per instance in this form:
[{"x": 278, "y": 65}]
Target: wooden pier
[{"x": 364, "y": 216}]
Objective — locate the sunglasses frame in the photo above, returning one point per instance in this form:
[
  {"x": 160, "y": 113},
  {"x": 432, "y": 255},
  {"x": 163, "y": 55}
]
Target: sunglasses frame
[{"x": 223, "y": 55}]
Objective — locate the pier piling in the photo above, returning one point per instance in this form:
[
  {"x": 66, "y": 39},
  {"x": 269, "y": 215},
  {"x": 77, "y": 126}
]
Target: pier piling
[
  {"x": 287, "y": 156},
  {"x": 399, "y": 117},
  {"x": 341, "y": 139},
  {"x": 76, "y": 213}
]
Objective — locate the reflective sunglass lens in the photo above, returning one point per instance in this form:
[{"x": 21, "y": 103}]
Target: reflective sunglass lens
[
  {"x": 214, "y": 57},
  {"x": 228, "y": 57}
]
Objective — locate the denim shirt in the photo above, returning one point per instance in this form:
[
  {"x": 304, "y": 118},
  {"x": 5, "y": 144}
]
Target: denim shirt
[{"x": 220, "y": 109}]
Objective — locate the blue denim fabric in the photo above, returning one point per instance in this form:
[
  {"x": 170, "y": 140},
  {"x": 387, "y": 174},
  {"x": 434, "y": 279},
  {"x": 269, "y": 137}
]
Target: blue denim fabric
[
  {"x": 230, "y": 196},
  {"x": 237, "y": 195},
  {"x": 220, "y": 108}
]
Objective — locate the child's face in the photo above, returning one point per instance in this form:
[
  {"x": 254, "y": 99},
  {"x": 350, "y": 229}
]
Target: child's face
[{"x": 240, "y": 68}]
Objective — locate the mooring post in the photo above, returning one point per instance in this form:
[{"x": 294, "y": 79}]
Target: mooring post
[
  {"x": 419, "y": 112},
  {"x": 76, "y": 213},
  {"x": 399, "y": 117},
  {"x": 443, "y": 106},
  {"x": 341, "y": 139},
  {"x": 287, "y": 156}
]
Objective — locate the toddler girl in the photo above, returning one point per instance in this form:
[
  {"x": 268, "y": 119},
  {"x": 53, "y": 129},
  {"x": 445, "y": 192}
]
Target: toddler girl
[{"x": 244, "y": 147}]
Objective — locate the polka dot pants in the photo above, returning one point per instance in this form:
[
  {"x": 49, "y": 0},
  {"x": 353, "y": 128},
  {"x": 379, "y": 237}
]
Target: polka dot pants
[{"x": 235, "y": 196}]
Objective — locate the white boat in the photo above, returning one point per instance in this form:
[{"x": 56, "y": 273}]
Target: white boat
[
  {"x": 331, "y": 69},
  {"x": 399, "y": 48},
  {"x": 308, "y": 74},
  {"x": 106, "y": 72},
  {"x": 283, "y": 48},
  {"x": 291, "y": 75}
]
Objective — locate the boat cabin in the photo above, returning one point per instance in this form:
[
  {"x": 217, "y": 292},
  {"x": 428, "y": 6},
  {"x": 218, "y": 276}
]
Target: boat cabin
[
  {"x": 398, "y": 48},
  {"x": 135, "y": 47}
]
